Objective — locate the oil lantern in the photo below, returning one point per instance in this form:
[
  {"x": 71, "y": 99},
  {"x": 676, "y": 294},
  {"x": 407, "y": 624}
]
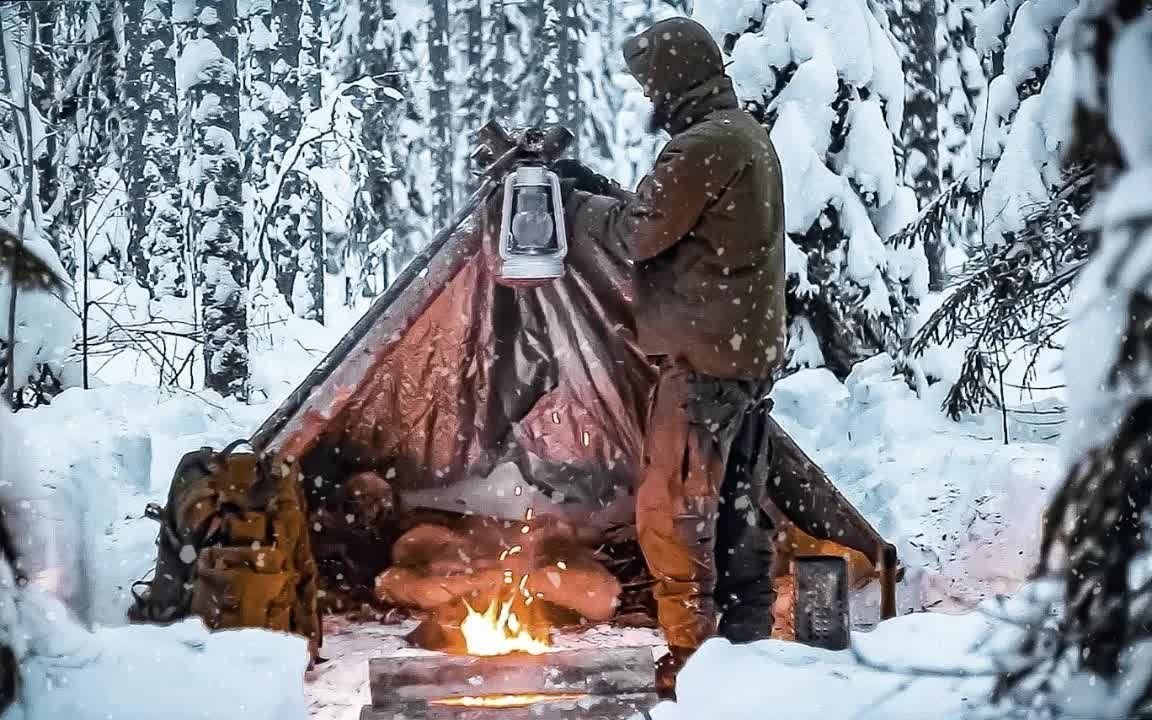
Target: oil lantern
[{"x": 533, "y": 242}]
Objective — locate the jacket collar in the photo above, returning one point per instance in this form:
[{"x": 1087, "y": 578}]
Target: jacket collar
[{"x": 692, "y": 106}]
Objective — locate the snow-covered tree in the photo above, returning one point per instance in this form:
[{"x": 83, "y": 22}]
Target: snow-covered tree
[
  {"x": 440, "y": 113},
  {"x": 1083, "y": 653},
  {"x": 151, "y": 168},
  {"x": 961, "y": 83},
  {"x": 310, "y": 283},
  {"x": 276, "y": 187},
  {"x": 387, "y": 220},
  {"x": 548, "y": 95},
  {"x": 914, "y": 25},
  {"x": 470, "y": 92},
  {"x": 1024, "y": 251},
  {"x": 36, "y": 330},
  {"x": 208, "y": 72},
  {"x": 825, "y": 78},
  {"x": 280, "y": 192}
]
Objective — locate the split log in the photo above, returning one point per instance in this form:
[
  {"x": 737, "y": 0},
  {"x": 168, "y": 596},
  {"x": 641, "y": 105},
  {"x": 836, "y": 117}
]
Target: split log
[
  {"x": 592, "y": 671},
  {"x": 590, "y": 707}
]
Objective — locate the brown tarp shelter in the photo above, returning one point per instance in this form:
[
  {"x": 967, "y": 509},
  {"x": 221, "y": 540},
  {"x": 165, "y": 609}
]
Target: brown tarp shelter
[{"x": 449, "y": 374}]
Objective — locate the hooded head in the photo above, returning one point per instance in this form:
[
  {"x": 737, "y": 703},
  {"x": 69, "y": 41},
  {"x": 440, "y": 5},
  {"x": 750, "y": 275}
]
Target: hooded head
[{"x": 681, "y": 69}]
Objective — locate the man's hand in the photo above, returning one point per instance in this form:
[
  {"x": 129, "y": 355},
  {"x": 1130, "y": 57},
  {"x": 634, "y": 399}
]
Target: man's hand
[{"x": 578, "y": 176}]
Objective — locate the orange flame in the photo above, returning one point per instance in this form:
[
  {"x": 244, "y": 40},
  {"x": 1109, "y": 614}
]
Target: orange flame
[
  {"x": 498, "y": 631},
  {"x": 501, "y": 701}
]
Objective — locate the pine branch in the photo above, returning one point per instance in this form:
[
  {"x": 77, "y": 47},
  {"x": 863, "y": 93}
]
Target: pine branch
[{"x": 1011, "y": 294}]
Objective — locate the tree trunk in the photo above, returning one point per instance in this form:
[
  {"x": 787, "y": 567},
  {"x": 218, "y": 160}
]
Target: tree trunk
[
  {"x": 151, "y": 168},
  {"x": 43, "y": 96},
  {"x": 498, "y": 87},
  {"x": 289, "y": 186},
  {"x": 914, "y": 25},
  {"x": 440, "y": 104},
  {"x": 312, "y": 252},
  {"x": 217, "y": 210}
]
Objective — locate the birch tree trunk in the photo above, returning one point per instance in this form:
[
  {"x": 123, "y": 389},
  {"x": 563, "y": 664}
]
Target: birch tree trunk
[{"x": 209, "y": 63}]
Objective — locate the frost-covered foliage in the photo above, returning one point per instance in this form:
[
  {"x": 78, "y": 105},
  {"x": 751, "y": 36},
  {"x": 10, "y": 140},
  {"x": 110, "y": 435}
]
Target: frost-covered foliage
[
  {"x": 961, "y": 83},
  {"x": 1016, "y": 205},
  {"x": 1092, "y": 656},
  {"x": 1021, "y": 123},
  {"x": 281, "y": 216},
  {"x": 825, "y": 78},
  {"x": 637, "y": 144},
  {"x": 207, "y": 73},
  {"x": 156, "y": 241},
  {"x": 1010, "y": 301},
  {"x": 377, "y": 177},
  {"x": 37, "y": 364},
  {"x": 914, "y": 26}
]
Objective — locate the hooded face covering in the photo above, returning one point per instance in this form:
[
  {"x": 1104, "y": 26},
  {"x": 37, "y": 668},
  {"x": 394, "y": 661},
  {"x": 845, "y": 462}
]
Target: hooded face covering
[{"x": 681, "y": 69}]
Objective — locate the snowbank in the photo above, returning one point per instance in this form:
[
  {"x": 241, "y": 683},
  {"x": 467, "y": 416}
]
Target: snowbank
[
  {"x": 962, "y": 508},
  {"x": 181, "y": 672},
  {"x": 109, "y": 452},
  {"x": 787, "y": 680}
]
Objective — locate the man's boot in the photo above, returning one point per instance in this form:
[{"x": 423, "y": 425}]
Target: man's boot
[{"x": 668, "y": 668}]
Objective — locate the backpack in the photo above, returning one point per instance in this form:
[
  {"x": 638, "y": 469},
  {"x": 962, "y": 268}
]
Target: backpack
[{"x": 233, "y": 547}]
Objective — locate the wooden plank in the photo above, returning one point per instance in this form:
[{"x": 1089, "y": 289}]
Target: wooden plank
[
  {"x": 591, "y": 707},
  {"x": 595, "y": 671}
]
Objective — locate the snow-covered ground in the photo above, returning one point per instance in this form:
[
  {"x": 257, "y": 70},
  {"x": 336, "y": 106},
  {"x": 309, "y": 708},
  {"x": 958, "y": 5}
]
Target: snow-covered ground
[{"x": 962, "y": 507}]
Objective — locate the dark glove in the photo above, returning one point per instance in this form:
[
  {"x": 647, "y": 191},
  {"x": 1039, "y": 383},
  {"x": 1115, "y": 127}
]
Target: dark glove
[
  {"x": 581, "y": 177},
  {"x": 567, "y": 187},
  {"x": 667, "y": 668}
]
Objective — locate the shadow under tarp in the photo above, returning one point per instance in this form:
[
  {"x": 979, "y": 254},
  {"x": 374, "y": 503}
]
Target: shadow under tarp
[{"x": 450, "y": 375}]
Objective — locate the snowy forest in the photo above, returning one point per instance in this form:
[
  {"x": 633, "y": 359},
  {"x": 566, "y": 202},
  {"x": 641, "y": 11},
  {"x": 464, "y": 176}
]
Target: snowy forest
[{"x": 200, "y": 198}]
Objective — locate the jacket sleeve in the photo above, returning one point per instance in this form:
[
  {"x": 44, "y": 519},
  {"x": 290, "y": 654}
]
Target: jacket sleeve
[{"x": 665, "y": 207}]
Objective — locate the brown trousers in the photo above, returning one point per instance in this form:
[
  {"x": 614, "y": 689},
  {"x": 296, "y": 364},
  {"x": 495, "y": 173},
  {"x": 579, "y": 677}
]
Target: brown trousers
[{"x": 704, "y": 537}]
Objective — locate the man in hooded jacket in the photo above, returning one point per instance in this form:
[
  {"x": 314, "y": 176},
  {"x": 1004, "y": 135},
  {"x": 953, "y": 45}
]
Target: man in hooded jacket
[{"x": 704, "y": 231}]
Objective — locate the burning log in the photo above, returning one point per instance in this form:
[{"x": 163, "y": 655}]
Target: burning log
[
  {"x": 587, "y": 707},
  {"x": 592, "y": 684}
]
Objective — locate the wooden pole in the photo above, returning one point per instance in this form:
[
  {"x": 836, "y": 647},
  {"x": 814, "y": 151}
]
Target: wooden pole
[{"x": 548, "y": 146}]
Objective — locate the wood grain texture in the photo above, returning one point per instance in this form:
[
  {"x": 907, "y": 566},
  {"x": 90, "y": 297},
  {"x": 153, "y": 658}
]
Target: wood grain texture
[
  {"x": 592, "y": 707},
  {"x": 593, "y": 671}
]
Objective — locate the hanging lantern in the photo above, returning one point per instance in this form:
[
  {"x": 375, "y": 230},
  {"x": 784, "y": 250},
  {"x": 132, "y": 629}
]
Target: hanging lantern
[{"x": 533, "y": 242}]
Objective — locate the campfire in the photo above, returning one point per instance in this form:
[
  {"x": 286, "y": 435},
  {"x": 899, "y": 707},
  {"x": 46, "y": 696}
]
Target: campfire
[{"x": 508, "y": 668}]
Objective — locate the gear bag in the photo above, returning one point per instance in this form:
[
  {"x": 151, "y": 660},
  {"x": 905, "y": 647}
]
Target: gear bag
[{"x": 233, "y": 547}]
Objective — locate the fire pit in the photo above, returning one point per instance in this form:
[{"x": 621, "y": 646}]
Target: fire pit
[
  {"x": 589, "y": 684},
  {"x": 508, "y": 670}
]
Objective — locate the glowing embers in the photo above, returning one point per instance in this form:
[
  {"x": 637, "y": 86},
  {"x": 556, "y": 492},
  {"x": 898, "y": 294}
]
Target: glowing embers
[
  {"x": 595, "y": 683},
  {"x": 503, "y": 701}
]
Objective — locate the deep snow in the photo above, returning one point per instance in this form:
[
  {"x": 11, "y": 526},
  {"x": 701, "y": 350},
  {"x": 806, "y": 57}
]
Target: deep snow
[{"x": 962, "y": 507}]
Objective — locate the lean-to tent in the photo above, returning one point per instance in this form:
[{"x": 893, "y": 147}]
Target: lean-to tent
[{"x": 448, "y": 375}]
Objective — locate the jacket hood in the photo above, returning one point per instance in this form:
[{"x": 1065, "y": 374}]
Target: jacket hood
[{"x": 681, "y": 69}]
